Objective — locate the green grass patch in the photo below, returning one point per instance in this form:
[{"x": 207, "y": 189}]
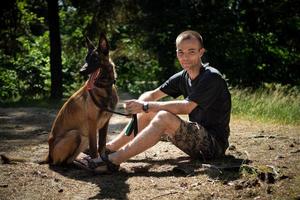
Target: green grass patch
[{"x": 275, "y": 103}]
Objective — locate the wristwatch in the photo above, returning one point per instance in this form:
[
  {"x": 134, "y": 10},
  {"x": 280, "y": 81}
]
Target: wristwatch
[{"x": 146, "y": 107}]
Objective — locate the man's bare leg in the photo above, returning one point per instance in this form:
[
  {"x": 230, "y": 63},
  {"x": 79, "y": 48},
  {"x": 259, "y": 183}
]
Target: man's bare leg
[
  {"x": 119, "y": 141},
  {"x": 163, "y": 123}
]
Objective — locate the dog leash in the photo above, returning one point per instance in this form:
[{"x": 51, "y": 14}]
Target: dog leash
[{"x": 133, "y": 125}]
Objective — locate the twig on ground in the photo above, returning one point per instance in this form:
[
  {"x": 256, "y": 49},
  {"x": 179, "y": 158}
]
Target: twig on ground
[
  {"x": 209, "y": 166},
  {"x": 247, "y": 155},
  {"x": 169, "y": 193}
]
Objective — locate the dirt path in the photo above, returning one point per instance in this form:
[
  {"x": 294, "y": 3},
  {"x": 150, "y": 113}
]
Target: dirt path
[{"x": 262, "y": 163}]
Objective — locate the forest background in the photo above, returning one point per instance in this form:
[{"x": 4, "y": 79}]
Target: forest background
[{"x": 254, "y": 43}]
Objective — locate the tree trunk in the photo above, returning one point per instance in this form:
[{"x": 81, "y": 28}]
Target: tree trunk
[{"x": 55, "y": 50}]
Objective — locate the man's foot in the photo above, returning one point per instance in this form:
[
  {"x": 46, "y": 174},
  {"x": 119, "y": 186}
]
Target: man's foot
[
  {"x": 103, "y": 165},
  {"x": 82, "y": 161},
  {"x": 108, "y": 151}
]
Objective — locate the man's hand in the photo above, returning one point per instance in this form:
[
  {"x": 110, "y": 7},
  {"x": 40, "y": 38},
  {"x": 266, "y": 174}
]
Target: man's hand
[{"x": 134, "y": 106}]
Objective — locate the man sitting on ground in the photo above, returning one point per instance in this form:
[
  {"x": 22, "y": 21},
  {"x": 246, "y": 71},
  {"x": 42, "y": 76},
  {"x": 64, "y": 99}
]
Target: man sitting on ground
[{"x": 207, "y": 101}]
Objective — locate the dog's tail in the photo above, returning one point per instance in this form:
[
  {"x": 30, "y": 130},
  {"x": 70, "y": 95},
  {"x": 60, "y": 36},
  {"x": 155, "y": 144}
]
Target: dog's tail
[
  {"x": 47, "y": 160},
  {"x": 14, "y": 160},
  {"x": 11, "y": 160}
]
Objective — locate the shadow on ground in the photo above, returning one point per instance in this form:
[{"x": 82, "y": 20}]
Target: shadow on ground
[{"x": 115, "y": 186}]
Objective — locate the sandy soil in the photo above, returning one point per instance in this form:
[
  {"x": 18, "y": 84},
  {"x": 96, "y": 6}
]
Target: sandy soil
[{"x": 261, "y": 163}]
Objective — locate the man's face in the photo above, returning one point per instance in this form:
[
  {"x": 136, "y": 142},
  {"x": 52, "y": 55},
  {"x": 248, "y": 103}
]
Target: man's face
[{"x": 189, "y": 53}]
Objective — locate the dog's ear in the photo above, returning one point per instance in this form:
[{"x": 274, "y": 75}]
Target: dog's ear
[
  {"x": 103, "y": 45},
  {"x": 89, "y": 44}
]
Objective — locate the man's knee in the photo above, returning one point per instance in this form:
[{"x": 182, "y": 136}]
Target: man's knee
[
  {"x": 165, "y": 120},
  {"x": 162, "y": 117}
]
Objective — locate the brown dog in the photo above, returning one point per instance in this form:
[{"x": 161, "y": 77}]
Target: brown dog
[{"x": 78, "y": 121}]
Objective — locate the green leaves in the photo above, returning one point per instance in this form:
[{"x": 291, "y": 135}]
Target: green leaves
[
  {"x": 9, "y": 85},
  {"x": 137, "y": 69},
  {"x": 252, "y": 42}
]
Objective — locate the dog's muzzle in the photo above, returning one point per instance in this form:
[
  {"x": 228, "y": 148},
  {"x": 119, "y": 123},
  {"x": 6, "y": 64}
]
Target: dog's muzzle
[{"x": 87, "y": 69}]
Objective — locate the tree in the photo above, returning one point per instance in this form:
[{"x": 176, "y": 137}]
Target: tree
[{"x": 55, "y": 50}]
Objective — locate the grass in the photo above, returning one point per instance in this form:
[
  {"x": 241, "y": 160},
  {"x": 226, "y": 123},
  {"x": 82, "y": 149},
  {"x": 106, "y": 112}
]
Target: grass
[{"x": 275, "y": 103}]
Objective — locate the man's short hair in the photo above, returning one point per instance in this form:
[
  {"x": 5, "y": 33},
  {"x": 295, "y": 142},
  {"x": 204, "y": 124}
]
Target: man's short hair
[{"x": 188, "y": 35}]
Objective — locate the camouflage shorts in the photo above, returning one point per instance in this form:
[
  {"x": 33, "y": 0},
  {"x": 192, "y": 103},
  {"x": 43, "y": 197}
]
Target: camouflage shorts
[{"x": 195, "y": 141}]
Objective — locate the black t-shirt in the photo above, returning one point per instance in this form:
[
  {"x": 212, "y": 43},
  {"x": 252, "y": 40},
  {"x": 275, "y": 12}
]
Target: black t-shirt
[{"x": 209, "y": 90}]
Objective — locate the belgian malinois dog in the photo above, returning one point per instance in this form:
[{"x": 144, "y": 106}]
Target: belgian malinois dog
[{"x": 81, "y": 118}]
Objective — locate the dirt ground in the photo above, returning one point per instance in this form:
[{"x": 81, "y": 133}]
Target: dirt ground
[{"x": 261, "y": 163}]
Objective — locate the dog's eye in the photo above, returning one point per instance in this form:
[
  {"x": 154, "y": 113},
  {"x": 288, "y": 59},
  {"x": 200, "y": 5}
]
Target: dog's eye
[{"x": 88, "y": 57}]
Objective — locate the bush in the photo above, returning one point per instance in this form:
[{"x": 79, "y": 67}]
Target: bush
[{"x": 137, "y": 69}]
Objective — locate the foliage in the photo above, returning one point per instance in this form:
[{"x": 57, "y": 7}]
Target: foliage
[
  {"x": 32, "y": 67},
  {"x": 8, "y": 82},
  {"x": 73, "y": 47},
  {"x": 24, "y": 71},
  {"x": 137, "y": 71},
  {"x": 252, "y": 42}
]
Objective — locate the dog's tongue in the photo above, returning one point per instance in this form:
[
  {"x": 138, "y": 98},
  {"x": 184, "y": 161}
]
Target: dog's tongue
[{"x": 92, "y": 78}]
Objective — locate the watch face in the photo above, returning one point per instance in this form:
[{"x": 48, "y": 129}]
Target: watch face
[{"x": 145, "y": 107}]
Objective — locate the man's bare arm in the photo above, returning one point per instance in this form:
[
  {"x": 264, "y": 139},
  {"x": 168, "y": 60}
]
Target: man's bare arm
[
  {"x": 175, "y": 107},
  {"x": 152, "y": 95}
]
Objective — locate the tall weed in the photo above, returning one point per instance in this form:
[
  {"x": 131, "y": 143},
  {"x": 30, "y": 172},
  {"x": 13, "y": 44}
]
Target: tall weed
[{"x": 272, "y": 102}]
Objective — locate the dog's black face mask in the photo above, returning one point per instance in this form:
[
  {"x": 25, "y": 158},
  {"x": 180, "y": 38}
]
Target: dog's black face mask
[
  {"x": 96, "y": 56},
  {"x": 92, "y": 62}
]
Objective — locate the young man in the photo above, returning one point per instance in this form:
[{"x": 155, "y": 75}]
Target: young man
[{"x": 207, "y": 102}]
